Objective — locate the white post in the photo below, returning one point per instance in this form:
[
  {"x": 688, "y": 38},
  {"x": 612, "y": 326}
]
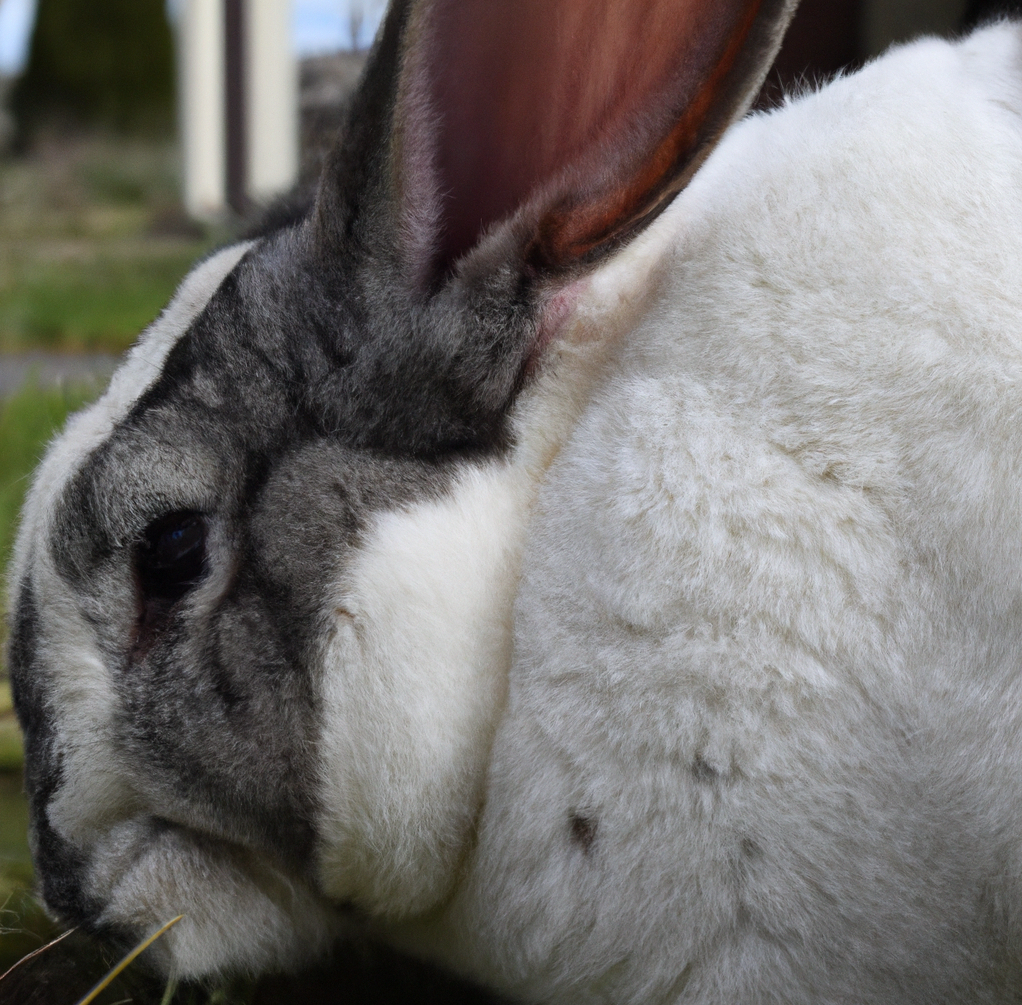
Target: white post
[
  {"x": 201, "y": 55},
  {"x": 271, "y": 98}
]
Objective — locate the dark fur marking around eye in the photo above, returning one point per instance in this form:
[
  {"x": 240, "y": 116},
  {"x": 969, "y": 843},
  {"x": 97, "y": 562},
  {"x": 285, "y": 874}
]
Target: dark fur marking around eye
[
  {"x": 169, "y": 561},
  {"x": 239, "y": 398},
  {"x": 171, "y": 557},
  {"x": 583, "y": 831},
  {"x": 222, "y": 700}
]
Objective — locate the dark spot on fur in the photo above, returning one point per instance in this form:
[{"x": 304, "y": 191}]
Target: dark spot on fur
[
  {"x": 703, "y": 772},
  {"x": 680, "y": 983},
  {"x": 750, "y": 849},
  {"x": 583, "y": 831}
]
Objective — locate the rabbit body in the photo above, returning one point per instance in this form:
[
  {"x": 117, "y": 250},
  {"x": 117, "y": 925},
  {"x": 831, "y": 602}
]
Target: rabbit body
[
  {"x": 761, "y": 739},
  {"x": 699, "y": 685}
]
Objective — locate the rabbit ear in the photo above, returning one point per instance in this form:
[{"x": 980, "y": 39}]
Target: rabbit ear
[
  {"x": 493, "y": 149},
  {"x": 592, "y": 112}
]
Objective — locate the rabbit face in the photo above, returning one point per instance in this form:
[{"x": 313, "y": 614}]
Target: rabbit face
[
  {"x": 235, "y": 643},
  {"x": 184, "y": 590},
  {"x": 103, "y": 615},
  {"x": 263, "y": 588}
]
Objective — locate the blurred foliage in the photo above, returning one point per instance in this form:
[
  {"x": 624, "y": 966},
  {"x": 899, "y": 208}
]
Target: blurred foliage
[
  {"x": 10, "y": 749},
  {"x": 28, "y": 420},
  {"x": 106, "y": 63},
  {"x": 97, "y": 304},
  {"x": 93, "y": 243}
]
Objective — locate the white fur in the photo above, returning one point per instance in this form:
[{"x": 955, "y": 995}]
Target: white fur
[
  {"x": 414, "y": 678},
  {"x": 768, "y": 631},
  {"x": 240, "y": 912}
]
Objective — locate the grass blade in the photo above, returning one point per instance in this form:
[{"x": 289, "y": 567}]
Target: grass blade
[
  {"x": 36, "y": 952},
  {"x": 169, "y": 991},
  {"x": 127, "y": 961}
]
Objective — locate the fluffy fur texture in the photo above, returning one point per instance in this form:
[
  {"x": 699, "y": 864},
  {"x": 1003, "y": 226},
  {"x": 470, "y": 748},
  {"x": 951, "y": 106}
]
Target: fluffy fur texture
[
  {"x": 762, "y": 739},
  {"x": 677, "y": 662}
]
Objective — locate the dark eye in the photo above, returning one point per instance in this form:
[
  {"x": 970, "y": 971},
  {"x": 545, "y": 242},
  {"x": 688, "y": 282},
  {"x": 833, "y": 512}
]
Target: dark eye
[{"x": 171, "y": 557}]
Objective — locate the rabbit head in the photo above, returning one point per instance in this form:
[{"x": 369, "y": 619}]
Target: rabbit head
[{"x": 262, "y": 589}]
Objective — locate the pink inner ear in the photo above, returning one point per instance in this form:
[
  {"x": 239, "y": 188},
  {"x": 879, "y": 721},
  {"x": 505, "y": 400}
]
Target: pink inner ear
[{"x": 528, "y": 88}]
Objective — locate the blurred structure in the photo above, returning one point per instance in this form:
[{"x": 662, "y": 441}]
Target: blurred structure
[
  {"x": 886, "y": 22},
  {"x": 239, "y": 103},
  {"x": 249, "y": 129},
  {"x": 830, "y": 35},
  {"x": 105, "y": 63},
  {"x": 978, "y": 11}
]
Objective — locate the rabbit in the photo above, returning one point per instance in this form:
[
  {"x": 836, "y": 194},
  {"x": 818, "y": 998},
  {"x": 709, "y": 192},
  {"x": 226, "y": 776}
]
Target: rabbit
[{"x": 584, "y": 551}]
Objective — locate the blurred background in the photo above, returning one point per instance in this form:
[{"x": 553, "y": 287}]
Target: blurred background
[{"x": 135, "y": 135}]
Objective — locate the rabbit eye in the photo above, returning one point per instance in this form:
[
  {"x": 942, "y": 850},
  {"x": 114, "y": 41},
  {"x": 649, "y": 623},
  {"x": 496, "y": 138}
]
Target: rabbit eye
[{"x": 171, "y": 557}]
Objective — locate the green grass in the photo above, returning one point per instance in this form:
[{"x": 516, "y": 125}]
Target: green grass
[
  {"x": 93, "y": 242},
  {"x": 28, "y": 420},
  {"x": 89, "y": 304},
  {"x": 11, "y": 754}
]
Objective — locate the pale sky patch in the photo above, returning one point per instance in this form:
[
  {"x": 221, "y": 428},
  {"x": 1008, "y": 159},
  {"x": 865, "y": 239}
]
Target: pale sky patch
[
  {"x": 318, "y": 26},
  {"x": 16, "y": 17}
]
